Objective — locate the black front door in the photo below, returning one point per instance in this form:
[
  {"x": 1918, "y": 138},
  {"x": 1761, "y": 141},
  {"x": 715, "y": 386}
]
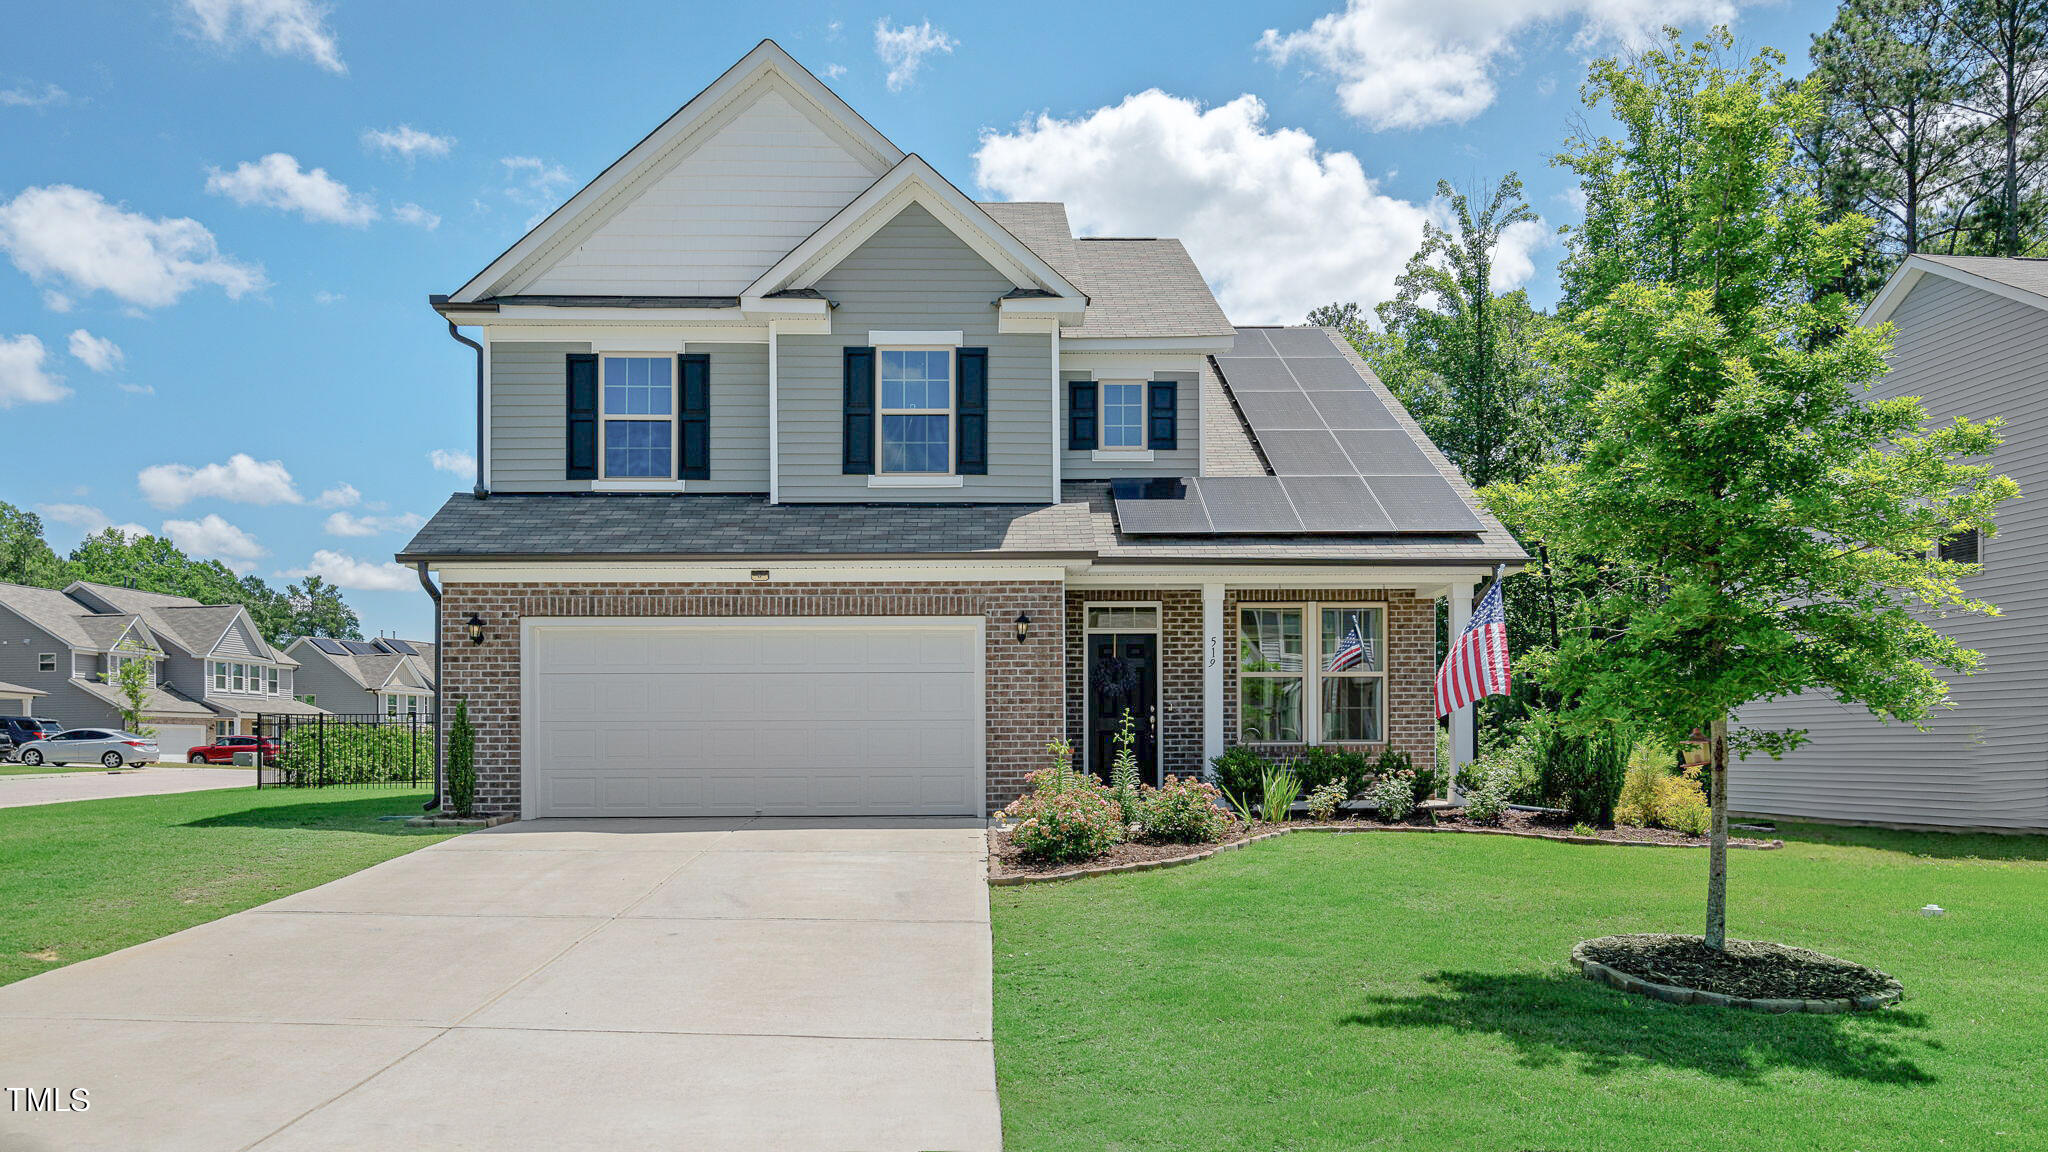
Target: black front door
[{"x": 1123, "y": 671}]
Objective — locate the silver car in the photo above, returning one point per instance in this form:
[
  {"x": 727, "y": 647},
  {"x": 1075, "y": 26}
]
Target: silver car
[{"x": 110, "y": 746}]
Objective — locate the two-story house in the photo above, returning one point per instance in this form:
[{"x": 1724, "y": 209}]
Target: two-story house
[
  {"x": 811, "y": 485},
  {"x": 1970, "y": 338},
  {"x": 385, "y": 676},
  {"x": 211, "y": 671}
]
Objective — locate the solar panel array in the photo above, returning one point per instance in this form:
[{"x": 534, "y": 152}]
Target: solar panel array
[
  {"x": 1342, "y": 463},
  {"x": 331, "y": 647}
]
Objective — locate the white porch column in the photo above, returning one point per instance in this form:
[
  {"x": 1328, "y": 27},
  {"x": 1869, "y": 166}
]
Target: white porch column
[
  {"x": 1212, "y": 675},
  {"x": 1463, "y": 745}
]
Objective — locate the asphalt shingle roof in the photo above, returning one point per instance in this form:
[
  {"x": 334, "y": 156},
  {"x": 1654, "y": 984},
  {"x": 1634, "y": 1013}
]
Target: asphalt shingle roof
[
  {"x": 2028, "y": 274},
  {"x": 193, "y": 626},
  {"x": 1135, "y": 287}
]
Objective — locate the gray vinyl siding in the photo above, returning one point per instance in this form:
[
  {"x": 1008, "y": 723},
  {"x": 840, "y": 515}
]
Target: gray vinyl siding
[
  {"x": 66, "y": 703},
  {"x": 235, "y": 643},
  {"x": 916, "y": 275},
  {"x": 529, "y": 414},
  {"x": 1183, "y": 461},
  {"x": 331, "y": 688},
  {"x": 1965, "y": 352}
]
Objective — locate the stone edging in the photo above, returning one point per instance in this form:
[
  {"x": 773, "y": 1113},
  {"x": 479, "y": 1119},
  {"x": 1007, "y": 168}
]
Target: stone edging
[
  {"x": 1020, "y": 878},
  {"x": 461, "y": 821},
  {"x": 1672, "y": 994}
]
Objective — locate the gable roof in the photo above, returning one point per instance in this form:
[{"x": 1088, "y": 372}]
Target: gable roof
[
  {"x": 374, "y": 670},
  {"x": 197, "y": 629},
  {"x": 659, "y": 149},
  {"x": 2020, "y": 278},
  {"x": 1135, "y": 286},
  {"x": 911, "y": 181},
  {"x": 58, "y": 615}
]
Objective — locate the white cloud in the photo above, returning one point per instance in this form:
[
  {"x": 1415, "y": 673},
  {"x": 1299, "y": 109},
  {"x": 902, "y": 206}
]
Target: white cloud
[
  {"x": 325, "y": 297},
  {"x": 137, "y": 389},
  {"x": 56, "y": 301},
  {"x": 356, "y": 575},
  {"x": 29, "y": 96},
  {"x": 348, "y": 524},
  {"x": 834, "y": 71},
  {"x": 282, "y": 27},
  {"x": 1412, "y": 63},
  {"x": 213, "y": 538},
  {"x": 414, "y": 214},
  {"x": 277, "y": 182},
  {"x": 453, "y": 461},
  {"x": 23, "y": 377},
  {"x": 96, "y": 352},
  {"x": 904, "y": 49},
  {"x": 339, "y": 496},
  {"x": 87, "y": 518},
  {"x": 407, "y": 142},
  {"x": 533, "y": 181},
  {"x": 243, "y": 479},
  {"x": 1277, "y": 225},
  {"x": 62, "y": 232}
]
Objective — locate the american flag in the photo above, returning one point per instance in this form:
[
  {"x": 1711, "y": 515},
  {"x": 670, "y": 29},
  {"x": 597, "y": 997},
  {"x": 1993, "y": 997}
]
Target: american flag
[
  {"x": 1350, "y": 654},
  {"x": 1478, "y": 663}
]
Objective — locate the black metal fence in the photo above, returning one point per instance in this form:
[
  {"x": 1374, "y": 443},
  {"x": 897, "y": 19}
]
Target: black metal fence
[{"x": 338, "y": 751}]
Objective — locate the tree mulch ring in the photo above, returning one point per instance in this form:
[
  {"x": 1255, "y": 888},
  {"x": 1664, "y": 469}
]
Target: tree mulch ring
[{"x": 1748, "y": 974}]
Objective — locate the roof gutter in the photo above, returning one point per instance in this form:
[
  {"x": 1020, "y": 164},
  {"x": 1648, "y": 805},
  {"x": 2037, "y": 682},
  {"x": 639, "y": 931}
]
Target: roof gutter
[
  {"x": 440, "y": 646},
  {"x": 479, "y": 491}
]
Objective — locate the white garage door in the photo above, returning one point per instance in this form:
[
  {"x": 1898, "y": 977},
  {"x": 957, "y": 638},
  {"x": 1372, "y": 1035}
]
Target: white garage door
[
  {"x": 723, "y": 717},
  {"x": 174, "y": 740}
]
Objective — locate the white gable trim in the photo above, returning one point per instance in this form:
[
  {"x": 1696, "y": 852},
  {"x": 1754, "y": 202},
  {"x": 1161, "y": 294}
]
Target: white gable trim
[
  {"x": 911, "y": 182},
  {"x": 679, "y": 134},
  {"x": 1908, "y": 275}
]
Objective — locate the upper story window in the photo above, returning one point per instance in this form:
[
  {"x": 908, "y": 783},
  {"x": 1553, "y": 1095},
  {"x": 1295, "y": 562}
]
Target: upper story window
[
  {"x": 46, "y": 662},
  {"x": 916, "y": 409},
  {"x": 1123, "y": 415},
  {"x": 1961, "y": 548},
  {"x": 638, "y": 415}
]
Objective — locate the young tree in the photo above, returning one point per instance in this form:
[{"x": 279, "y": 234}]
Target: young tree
[
  {"x": 1760, "y": 528},
  {"x": 131, "y": 680}
]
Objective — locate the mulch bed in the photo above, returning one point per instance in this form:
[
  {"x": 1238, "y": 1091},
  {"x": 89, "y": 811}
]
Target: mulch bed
[
  {"x": 1006, "y": 860},
  {"x": 1750, "y": 969}
]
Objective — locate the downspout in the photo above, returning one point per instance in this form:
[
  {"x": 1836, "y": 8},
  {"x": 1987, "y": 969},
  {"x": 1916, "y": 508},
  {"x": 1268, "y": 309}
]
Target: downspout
[
  {"x": 479, "y": 491},
  {"x": 440, "y": 647}
]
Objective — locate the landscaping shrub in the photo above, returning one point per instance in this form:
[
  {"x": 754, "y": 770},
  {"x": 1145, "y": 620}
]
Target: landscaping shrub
[
  {"x": 1067, "y": 815},
  {"x": 1241, "y": 774},
  {"x": 1581, "y": 772},
  {"x": 1318, "y": 766},
  {"x": 1323, "y": 801},
  {"x": 358, "y": 753},
  {"x": 1183, "y": 811},
  {"x": 461, "y": 759},
  {"x": 1637, "y": 804},
  {"x": 1394, "y": 795},
  {"x": 1489, "y": 782},
  {"x": 1654, "y": 797},
  {"x": 1123, "y": 770},
  {"x": 1278, "y": 789}
]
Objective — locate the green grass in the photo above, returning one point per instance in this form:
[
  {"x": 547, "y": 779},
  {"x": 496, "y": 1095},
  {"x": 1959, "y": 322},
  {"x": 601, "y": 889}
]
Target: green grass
[
  {"x": 1380, "y": 991},
  {"x": 24, "y": 770},
  {"x": 78, "y": 880}
]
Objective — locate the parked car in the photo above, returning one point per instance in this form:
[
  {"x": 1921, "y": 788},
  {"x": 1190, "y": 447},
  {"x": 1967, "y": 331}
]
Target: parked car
[
  {"x": 110, "y": 746},
  {"x": 19, "y": 730},
  {"x": 223, "y": 749}
]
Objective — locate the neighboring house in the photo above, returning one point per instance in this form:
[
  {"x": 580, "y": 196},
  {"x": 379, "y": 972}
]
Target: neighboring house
[
  {"x": 19, "y": 699},
  {"x": 810, "y": 485},
  {"x": 1971, "y": 340},
  {"x": 211, "y": 671},
  {"x": 385, "y": 676}
]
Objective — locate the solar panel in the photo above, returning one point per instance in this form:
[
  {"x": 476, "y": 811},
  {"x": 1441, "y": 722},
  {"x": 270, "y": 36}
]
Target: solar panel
[
  {"x": 1293, "y": 342},
  {"x": 331, "y": 647},
  {"x": 1423, "y": 504},
  {"x": 1162, "y": 517},
  {"x": 1385, "y": 452},
  {"x": 1356, "y": 409},
  {"x": 1248, "y": 504},
  {"x": 1315, "y": 453},
  {"x": 361, "y": 648},
  {"x": 1331, "y": 372},
  {"x": 1257, "y": 373},
  {"x": 1335, "y": 504}
]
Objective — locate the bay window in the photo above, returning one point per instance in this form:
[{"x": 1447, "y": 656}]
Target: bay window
[
  {"x": 916, "y": 409},
  {"x": 638, "y": 417},
  {"x": 1332, "y": 655}
]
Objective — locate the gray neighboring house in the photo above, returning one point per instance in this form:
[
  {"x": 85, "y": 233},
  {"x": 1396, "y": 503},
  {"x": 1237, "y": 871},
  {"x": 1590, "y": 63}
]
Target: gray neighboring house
[
  {"x": 19, "y": 699},
  {"x": 211, "y": 670},
  {"x": 1971, "y": 340},
  {"x": 810, "y": 485},
  {"x": 385, "y": 676}
]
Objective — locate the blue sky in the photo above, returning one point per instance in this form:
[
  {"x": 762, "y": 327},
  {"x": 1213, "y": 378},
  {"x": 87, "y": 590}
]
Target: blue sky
[{"x": 202, "y": 336}]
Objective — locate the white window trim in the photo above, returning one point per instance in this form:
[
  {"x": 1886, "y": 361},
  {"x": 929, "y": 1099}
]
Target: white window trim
[
  {"x": 1158, "y": 679},
  {"x": 1126, "y": 452},
  {"x": 948, "y": 478},
  {"x": 46, "y": 661},
  {"x": 1121, "y": 455},
  {"x": 914, "y": 341},
  {"x": 604, "y": 479},
  {"x": 1312, "y": 672}
]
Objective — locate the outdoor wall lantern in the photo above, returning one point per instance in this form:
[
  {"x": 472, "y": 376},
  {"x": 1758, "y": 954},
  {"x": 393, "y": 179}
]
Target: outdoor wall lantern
[
  {"x": 1023, "y": 627},
  {"x": 476, "y": 629}
]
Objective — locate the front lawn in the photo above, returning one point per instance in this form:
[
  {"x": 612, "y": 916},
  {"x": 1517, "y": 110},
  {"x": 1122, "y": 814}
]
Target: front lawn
[
  {"x": 1405, "y": 991},
  {"x": 13, "y": 769},
  {"x": 81, "y": 879}
]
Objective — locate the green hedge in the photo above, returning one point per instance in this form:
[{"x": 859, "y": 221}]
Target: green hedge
[{"x": 358, "y": 753}]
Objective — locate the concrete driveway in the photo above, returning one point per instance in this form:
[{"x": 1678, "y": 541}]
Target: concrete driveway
[
  {"x": 554, "y": 984},
  {"x": 155, "y": 780}
]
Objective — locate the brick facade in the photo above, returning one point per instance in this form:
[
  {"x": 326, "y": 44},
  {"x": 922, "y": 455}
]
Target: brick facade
[
  {"x": 1036, "y": 689},
  {"x": 1025, "y": 703}
]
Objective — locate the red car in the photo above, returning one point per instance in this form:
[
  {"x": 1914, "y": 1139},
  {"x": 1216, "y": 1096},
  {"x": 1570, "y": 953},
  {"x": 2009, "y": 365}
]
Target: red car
[{"x": 223, "y": 749}]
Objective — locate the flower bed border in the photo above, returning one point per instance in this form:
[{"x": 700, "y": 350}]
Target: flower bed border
[
  {"x": 1015, "y": 879},
  {"x": 1674, "y": 994}
]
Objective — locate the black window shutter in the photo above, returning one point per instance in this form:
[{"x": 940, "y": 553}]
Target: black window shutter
[
  {"x": 1081, "y": 418},
  {"x": 970, "y": 412},
  {"x": 582, "y": 412},
  {"x": 857, "y": 431},
  {"x": 693, "y": 416},
  {"x": 1164, "y": 416}
]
